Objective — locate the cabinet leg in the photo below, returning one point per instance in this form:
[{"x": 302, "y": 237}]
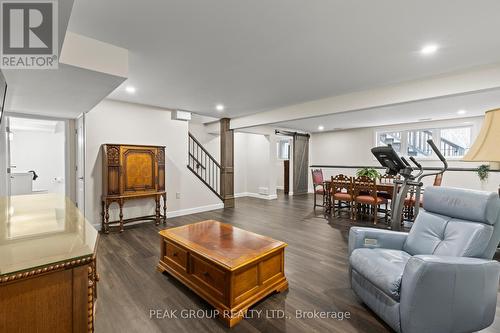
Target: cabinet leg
[
  {"x": 157, "y": 217},
  {"x": 164, "y": 209},
  {"x": 106, "y": 218},
  {"x": 120, "y": 203},
  {"x": 102, "y": 216}
]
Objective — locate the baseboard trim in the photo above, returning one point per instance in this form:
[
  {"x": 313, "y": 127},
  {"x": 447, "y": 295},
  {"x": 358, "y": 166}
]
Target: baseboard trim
[
  {"x": 180, "y": 212},
  {"x": 256, "y": 195},
  {"x": 189, "y": 211}
]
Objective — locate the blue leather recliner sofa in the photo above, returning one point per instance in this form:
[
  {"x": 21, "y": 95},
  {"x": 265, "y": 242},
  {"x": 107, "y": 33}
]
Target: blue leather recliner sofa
[{"x": 439, "y": 277}]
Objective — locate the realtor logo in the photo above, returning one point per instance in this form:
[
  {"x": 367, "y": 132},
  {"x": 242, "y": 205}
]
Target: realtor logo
[{"x": 29, "y": 38}]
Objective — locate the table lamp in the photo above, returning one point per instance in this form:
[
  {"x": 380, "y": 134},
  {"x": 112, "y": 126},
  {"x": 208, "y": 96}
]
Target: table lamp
[{"x": 486, "y": 148}]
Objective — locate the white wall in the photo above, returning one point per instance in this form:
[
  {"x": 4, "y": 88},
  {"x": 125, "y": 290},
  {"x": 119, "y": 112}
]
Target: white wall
[
  {"x": 3, "y": 158},
  {"x": 43, "y": 152},
  {"x": 126, "y": 123},
  {"x": 352, "y": 147},
  {"x": 210, "y": 142},
  {"x": 255, "y": 160}
]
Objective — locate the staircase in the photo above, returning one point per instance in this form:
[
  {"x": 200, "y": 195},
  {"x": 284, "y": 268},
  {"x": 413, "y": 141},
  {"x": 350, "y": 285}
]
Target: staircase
[{"x": 204, "y": 166}]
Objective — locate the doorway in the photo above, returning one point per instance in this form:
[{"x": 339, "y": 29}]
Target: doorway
[
  {"x": 80, "y": 163},
  {"x": 283, "y": 149},
  {"x": 36, "y": 156}
]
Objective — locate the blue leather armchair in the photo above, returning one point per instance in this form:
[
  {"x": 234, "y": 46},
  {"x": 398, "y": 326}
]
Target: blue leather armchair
[{"x": 439, "y": 277}]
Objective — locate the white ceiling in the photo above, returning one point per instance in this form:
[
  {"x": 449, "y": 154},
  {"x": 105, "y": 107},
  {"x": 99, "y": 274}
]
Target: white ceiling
[
  {"x": 433, "y": 109},
  {"x": 65, "y": 92},
  {"x": 257, "y": 55}
]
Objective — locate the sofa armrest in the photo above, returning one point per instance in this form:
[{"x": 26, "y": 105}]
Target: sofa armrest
[
  {"x": 360, "y": 237},
  {"x": 448, "y": 294}
]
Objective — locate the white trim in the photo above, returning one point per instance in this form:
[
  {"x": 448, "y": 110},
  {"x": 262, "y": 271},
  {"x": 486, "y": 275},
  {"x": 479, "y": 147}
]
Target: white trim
[
  {"x": 176, "y": 213},
  {"x": 279, "y": 187},
  {"x": 189, "y": 211},
  {"x": 256, "y": 195}
]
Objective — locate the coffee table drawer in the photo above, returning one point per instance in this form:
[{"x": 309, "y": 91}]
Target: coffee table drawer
[
  {"x": 210, "y": 275},
  {"x": 176, "y": 254}
]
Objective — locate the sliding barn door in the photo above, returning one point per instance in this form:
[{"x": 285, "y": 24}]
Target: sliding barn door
[{"x": 300, "y": 163}]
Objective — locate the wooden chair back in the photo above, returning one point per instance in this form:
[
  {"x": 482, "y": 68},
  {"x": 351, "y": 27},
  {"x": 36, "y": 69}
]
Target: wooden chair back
[
  {"x": 365, "y": 186},
  {"x": 438, "y": 179},
  {"x": 317, "y": 177},
  {"x": 388, "y": 179},
  {"x": 341, "y": 183}
]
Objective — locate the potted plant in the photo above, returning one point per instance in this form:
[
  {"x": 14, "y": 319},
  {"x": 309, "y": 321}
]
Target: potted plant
[
  {"x": 368, "y": 172},
  {"x": 483, "y": 172}
]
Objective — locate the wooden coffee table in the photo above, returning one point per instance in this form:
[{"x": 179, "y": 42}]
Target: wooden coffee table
[{"x": 229, "y": 267}]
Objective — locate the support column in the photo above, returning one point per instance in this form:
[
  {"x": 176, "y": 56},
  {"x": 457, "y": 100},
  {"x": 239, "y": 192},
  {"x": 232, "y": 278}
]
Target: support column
[{"x": 227, "y": 163}]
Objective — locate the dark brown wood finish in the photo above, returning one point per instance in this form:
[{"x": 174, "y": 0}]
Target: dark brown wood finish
[
  {"x": 316, "y": 269},
  {"x": 132, "y": 172},
  {"x": 227, "y": 163},
  {"x": 229, "y": 267},
  {"x": 286, "y": 177},
  {"x": 53, "y": 298}
]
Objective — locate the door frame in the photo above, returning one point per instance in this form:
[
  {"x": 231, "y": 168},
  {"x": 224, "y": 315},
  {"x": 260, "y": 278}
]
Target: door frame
[
  {"x": 69, "y": 160},
  {"x": 80, "y": 169}
]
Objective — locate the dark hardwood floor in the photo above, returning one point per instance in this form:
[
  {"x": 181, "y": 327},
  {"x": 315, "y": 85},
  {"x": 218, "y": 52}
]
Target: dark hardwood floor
[{"x": 315, "y": 266}]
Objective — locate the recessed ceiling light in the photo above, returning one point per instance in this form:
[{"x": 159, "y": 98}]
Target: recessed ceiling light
[
  {"x": 429, "y": 49},
  {"x": 130, "y": 89},
  {"x": 321, "y": 127},
  {"x": 462, "y": 111},
  {"x": 220, "y": 107}
]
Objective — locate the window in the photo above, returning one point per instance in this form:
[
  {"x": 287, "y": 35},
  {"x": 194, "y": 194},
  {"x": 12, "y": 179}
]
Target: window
[
  {"x": 417, "y": 143},
  {"x": 390, "y": 138},
  {"x": 284, "y": 150},
  {"x": 453, "y": 142}
]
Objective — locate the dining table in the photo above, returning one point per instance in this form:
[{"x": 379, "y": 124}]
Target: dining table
[{"x": 385, "y": 187}]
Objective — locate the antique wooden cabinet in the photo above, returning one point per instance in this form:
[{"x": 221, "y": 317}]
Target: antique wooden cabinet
[
  {"x": 48, "y": 272},
  {"x": 132, "y": 172}
]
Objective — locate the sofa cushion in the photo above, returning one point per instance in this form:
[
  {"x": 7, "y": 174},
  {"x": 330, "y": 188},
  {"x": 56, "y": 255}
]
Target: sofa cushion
[
  {"x": 464, "y": 239},
  {"x": 381, "y": 303},
  {"x": 383, "y": 267},
  {"x": 469, "y": 205},
  {"x": 426, "y": 233},
  {"x": 441, "y": 235}
]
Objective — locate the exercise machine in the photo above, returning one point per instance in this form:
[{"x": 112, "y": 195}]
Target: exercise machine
[{"x": 411, "y": 178}]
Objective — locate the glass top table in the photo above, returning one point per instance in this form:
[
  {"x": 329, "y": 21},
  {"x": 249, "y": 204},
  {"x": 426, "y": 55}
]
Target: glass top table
[{"x": 42, "y": 229}]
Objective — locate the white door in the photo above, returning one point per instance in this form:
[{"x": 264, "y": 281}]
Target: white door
[
  {"x": 80, "y": 163},
  {"x": 7, "y": 155}
]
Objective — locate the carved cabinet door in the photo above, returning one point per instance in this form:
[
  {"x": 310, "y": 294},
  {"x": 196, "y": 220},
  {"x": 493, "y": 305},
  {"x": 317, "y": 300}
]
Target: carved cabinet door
[{"x": 139, "y": 169}]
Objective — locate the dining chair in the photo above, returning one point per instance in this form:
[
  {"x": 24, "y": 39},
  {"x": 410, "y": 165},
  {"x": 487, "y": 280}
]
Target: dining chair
[
  {"x": 341, "y": 191},
  {"x": 318, "y": 185},
  {"x": 387, "y": 179},
  {"x": 409, "y": 206},
  {"x": 365, "y": 193}
]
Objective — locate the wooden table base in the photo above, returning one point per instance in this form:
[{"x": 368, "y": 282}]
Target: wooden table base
[
  {"x": 106, "y": 202},
  {"x": 230, "y": 268}
]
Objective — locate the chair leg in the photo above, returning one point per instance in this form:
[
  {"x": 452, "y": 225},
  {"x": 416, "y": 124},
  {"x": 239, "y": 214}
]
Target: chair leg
[
  {"x": 375, "y": 211},
  {"x": 386, "y": 211},
  {"x": 314, "y": 199}
]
